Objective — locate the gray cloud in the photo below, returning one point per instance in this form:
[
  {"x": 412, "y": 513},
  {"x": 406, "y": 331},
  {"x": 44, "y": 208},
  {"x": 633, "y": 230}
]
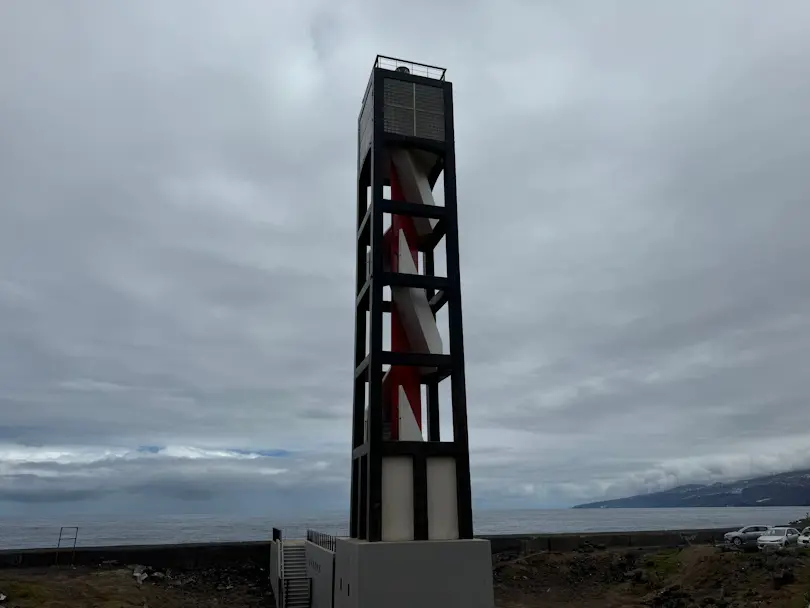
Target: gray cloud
[{"x": 176, "y": 244}]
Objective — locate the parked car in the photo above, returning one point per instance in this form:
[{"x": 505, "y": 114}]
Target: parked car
[
  {"x": 778, "y": 537},
  {"x": 804, "y": 537},
  {"x": 745, "y": 537}
]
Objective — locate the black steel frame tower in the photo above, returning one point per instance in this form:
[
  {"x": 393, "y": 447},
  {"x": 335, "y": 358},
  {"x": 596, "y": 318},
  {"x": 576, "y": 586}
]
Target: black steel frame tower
[{"x": 384, "y": 125}]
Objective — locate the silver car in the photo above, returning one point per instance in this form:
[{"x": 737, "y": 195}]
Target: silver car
[
  {"x": 776, "y": 538},
  {"x": 745, "y": 537}
]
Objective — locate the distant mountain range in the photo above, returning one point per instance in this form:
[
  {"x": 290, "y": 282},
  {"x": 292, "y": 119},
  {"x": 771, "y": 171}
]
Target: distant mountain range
[{"x": 780, "y": 490}]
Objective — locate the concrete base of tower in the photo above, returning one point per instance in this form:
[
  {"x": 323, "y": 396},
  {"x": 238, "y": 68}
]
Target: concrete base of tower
[{"x": 413, "y": 574}]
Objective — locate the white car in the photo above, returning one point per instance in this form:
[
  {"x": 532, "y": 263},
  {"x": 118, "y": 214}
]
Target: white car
[
  {"x": 745, "y": 537},
  {"x": 776, "y": 538},
  {"x": 804, "y": 538}
]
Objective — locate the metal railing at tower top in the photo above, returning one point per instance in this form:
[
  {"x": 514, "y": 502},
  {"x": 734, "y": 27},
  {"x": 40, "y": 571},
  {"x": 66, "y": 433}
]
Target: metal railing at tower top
[{"x": 417, "y": 69}]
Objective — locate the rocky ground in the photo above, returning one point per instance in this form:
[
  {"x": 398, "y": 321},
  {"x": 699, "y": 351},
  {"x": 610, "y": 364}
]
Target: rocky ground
[
  {"x": 666, "y": 578},
  {"x": 688, "y": 577},
  {"x": 113, "y": 585}
]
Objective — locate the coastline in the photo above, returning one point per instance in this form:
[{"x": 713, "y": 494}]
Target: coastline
[
  {"x": 201, "y": 555},
  {"x": 675, "y": 569}
]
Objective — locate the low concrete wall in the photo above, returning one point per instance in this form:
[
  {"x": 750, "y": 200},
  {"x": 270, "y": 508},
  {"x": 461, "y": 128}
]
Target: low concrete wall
[
  {"x": 202, "y": 555},
  {"x": 430, "y": 574},
  {"x": 183, "y": 556},
  {"x": 524, "y": 543},
  {"x": 275, "y": 572},
  {"x": 321, "y": 569}
]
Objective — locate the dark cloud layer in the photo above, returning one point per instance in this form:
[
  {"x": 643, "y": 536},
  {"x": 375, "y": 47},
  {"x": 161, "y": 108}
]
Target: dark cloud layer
[{"x": 176, "y": 245}]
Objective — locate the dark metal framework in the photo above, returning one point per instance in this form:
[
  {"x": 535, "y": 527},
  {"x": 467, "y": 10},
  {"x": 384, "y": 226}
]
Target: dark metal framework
[
  {"x": 368, "y": 449},
  {"x": 70, "y": 537}
]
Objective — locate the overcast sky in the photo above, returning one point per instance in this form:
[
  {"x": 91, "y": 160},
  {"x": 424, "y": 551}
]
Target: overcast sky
[{"x": 177, "y": 208}]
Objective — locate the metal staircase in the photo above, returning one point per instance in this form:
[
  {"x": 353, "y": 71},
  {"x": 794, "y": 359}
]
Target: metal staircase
[{"x": 295, "y": 580}]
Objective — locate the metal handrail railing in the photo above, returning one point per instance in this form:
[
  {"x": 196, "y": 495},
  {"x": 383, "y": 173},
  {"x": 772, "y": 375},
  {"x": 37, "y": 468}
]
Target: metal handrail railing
[
  {"x": 417, "y": 69},
  {"x": 67, "y": 538},
  {"x": 326, "y": 541},
  {"x": 284, "y": 584}
]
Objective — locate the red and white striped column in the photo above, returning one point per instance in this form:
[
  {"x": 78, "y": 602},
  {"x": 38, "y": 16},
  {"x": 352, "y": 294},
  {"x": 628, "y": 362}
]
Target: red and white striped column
[{"x": 413, "y": 329}]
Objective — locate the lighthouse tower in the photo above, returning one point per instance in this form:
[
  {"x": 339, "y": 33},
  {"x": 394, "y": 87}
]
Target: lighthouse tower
[{"x": 411, "y": 531}]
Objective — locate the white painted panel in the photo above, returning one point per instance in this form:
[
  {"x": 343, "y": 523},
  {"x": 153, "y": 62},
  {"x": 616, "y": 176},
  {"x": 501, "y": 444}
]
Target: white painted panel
[
  {"x": 415, "y": 186},
  {"x": 408, "y": 429},
  {"x": 441, "y": 497},
  {"x": 414, "y": 309},
  {"x": 397, "y": 498},
  {"x": 405, "y": 261}
]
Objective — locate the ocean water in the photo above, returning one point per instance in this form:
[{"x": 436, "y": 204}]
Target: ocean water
[{"x": 97, "y": 531}]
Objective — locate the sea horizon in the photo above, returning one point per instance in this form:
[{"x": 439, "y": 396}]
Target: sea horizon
[{"x": 20, "y": 532}]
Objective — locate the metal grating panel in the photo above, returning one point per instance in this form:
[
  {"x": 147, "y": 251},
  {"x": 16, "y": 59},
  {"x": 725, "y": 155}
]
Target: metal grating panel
[
  {"x": 415, "y": 110},
  {"x": 398, "y": 120},
  {"x": 398, "y": 93},
  {"x": 429, "y": 126},
  {"x": 366, "y": 124},
  {"x": 429, "y": 99}
]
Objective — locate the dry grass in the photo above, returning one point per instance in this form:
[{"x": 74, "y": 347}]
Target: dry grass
[
  {"x": 679, "y": 578},
  {"x": 116, "y": 588},
  {"x": 626, "y": 578}
]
